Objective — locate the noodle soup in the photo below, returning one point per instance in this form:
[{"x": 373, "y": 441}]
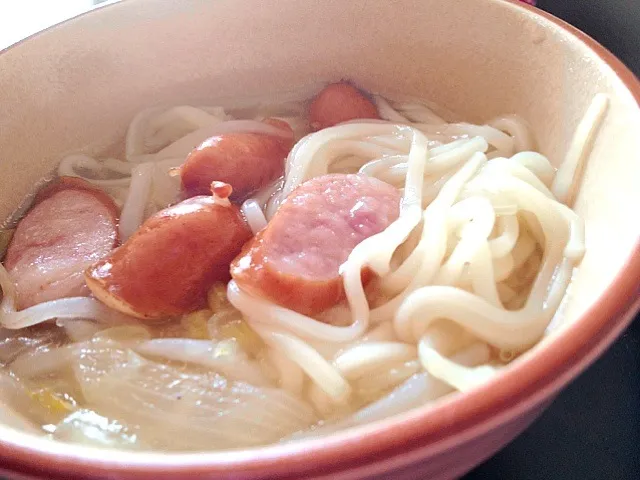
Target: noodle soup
[{"x": 256, "y": 275}]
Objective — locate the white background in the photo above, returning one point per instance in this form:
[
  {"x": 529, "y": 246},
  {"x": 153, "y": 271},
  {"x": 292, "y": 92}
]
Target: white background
[{"x": 21, "y": 18}]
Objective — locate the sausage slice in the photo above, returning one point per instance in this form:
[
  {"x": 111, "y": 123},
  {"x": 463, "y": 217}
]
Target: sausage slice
[
  {"x": 295, "y": 260},
  {"x": 166, "y": 267},
  {"x": 340, "y": 102},
  {"x": 71, "y": 225},
  {"x": 246, "y": 161}
]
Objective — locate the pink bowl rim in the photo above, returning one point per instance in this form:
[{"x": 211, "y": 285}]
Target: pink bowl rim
[{"x": 429, "y": 426}]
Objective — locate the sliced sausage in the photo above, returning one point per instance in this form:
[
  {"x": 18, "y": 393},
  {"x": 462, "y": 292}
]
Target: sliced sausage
[
  {"x": 166, "y": 267},
  {"x": 71, "y": 225},
  {"x": 340, "y": 102},
  {"x": 246, "y": 161},
  {"x": 295, "y": 260}
]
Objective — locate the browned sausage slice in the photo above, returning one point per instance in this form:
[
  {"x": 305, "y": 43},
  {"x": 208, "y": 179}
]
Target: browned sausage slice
[
  {"x": 71, "y": 225},
  {"x": 294, "y": 261},
  {"x": 340, "y": 102},
  {"x": 166, "y": 267},
  {"x": 246, "y": 161}
]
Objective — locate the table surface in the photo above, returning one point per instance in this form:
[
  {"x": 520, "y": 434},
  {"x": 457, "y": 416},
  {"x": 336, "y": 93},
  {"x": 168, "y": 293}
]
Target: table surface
[{"x": 592, "y": 430}]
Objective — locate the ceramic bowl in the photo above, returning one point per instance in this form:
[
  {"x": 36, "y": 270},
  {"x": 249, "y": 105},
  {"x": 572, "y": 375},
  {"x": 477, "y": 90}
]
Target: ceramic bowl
[{"x": 78, "y": 85}]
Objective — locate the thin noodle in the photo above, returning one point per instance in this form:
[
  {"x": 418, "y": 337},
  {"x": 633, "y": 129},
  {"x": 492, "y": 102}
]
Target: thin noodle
[
  {"x": 565, "y": 185},
  {"x": 469, "y": 275},
  {"x": 133, "y": 211},
  {"x": 253, "y": 214}
]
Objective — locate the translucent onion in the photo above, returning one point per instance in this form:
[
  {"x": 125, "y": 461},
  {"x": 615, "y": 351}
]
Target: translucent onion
[
  {"x": 86, "y": 427},
  {"x": 12, "y": 395},
  {"x": 223, "y": 357},
  {"x": 196, "y": 411}
]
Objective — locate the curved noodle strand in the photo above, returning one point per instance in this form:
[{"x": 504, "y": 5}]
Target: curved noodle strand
[
  {"x": 468, "y": 276},
  {"x": 132, "y": 214},
  {"x": 322, "y": 372},
  {"x": 566, "y": 183},
  {"x": 74, "y": 307}
]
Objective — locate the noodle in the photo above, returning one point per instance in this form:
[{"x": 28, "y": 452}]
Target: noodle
[
  {"x": 254, "y": 215},
  {"x": 517, "y": 129},
  {"x": 367, "y": 357},
  {"x": 323, "y": 373},
  {"x": 505, "y": 185},
  {"x": 460, "y": 377},
  {"x": 153, "y": 129},
  {"x": 387, "y": 112},
  {"x": 72, "y": 165},
  {"x": 183, "y": 146},
  {"x": 75, "y": 307},
  {"x": 510, "y": 231},
  {"x": 133, "y": 211},
  {"x": 569, "y": 174},
  {"x": 469, "y": 275},
  {"x": 290, "y": 374}
]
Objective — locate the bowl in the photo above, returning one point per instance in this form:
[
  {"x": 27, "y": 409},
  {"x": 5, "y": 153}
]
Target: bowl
[{"x": 77, "y": 85}]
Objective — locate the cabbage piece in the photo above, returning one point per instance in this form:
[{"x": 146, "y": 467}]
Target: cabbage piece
[
  {"x": 224, "y": 357},
  {"x": 175, "y": 409},
  {"x": 195, "y": 324},
  {"x": 14, "y": 343},
  {"x": 89, "y": 428},
  {"x": 13, "y": 396}
]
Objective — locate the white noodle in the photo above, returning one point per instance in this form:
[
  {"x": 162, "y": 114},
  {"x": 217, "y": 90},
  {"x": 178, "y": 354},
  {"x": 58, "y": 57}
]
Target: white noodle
[
  {"x": 290, "y": 374},
  {"x": 515, "y": 169},
  {"x": 471, "y": 203},
  {"x": 538, "y": 164},
  {"x": 264, "y": 312},
  {"x": 155, "y": 128},
  {"x": 424, "y": 261},
  {"x": 479, "y": 259},
  {"x": 133, "y": 211},
  {"x": 459, "y": 377},
  {"x": 386, "y": 111},
  {"x": 253, "y": 214},
  {"x": 184, "y": 145},
  {"x": 76, "y": 307},
  {"x": 510, "y": 231},
  {"x": 368, "y": 357},
  {"x": 416, "y": 111},
  {"x": 518, "y": 129},
  {"x": 565, "y": 185},
  {"x": 70, "y": 166},
  {"x": 323, "y": 373},
  {"x": 414, "y": 392}
]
